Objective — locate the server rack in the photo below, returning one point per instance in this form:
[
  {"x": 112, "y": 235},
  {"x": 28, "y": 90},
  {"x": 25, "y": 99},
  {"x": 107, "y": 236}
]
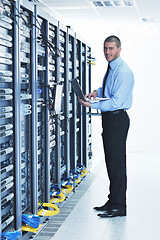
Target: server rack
[
  {"x": 25, "y": 110},
  {"x": 86, "y": 119},
  {"x": 72, "y": 75},
  {"x": 89, "y": 119},
  {"x": 52, "y": 33},
  {"x": 6, "y": 119},
  {"x": 63, "y": 116},
  {"x": 44, "y": 132},
  {"x": 79, "y": 121},
  {"x": 41, "y": 76}
]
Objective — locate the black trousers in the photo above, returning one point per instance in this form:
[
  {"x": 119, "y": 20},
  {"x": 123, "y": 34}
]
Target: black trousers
[{"x": 114, "y": 135}]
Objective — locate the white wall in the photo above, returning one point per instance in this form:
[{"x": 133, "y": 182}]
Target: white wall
[
  {"x": 141, "y": 50},
  {"x": 143, "y": 57}
]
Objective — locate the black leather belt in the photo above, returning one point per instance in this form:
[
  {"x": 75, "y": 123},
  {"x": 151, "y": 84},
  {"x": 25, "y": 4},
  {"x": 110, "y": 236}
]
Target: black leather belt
[{"x": 113, "y": 112}]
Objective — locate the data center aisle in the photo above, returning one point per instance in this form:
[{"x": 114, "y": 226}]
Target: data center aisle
[{"x": 143, "y": 198}]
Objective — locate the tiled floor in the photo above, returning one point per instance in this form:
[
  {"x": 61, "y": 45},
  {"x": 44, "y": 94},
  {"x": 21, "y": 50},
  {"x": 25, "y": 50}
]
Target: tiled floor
[{"x": 143, "y": 201}]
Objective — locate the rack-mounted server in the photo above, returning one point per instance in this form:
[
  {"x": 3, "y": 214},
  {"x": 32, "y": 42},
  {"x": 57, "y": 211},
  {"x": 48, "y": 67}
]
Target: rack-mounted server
[{"x": 39, "y": 145}]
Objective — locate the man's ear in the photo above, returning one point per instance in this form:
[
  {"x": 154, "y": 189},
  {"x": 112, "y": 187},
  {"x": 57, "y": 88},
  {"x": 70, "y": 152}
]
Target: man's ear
[{"x": 119, "y": 49}]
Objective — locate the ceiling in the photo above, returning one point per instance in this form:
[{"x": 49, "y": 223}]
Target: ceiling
[{"x": 125, "y": 11}]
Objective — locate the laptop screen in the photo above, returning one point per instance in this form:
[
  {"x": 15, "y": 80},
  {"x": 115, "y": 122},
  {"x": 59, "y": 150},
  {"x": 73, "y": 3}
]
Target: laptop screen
[{"x": 77, "y": 89}]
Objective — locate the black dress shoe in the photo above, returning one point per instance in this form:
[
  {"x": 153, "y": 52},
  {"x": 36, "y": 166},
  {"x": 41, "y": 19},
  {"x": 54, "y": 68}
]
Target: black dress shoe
[
  {"x": 112, "y": 213},
  {"x": 105, "y": 207}
]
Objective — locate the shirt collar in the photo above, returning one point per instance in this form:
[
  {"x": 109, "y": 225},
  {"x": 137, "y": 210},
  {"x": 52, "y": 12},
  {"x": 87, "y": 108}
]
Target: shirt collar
[{"x": 115, "y": 62}]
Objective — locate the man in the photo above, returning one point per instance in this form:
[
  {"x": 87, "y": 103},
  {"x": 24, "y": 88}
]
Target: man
[{"x": 117, "y": 85}]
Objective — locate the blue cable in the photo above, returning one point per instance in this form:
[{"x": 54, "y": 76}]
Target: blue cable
[
  {"x": 57, "y": 189},
  {"x": 11, "y": 235},
  {"x": 69, "y": 181},
  {"x": 80, "y": 166},
  {"x": 75, "y": 173},
  {"x": 31, "y": 220}
]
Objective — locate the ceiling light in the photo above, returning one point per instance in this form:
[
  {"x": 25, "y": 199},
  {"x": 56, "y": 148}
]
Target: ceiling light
[
  {"x": 119, "y": 3},
  {"x": 129, "y": 3},
  {"x": 111, "y": 3},
  {"x": 98, "y": 3},
  {"x": 108, "y": 3}
]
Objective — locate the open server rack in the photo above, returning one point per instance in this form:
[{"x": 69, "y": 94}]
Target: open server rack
[{"x": 44, "y": 132}]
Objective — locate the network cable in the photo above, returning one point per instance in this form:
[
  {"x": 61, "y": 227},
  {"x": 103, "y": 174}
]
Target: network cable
[
  {"x": 31, "y": 220},
  {"x": 11, "y": 15},
  {"x": 56, "y": 52}
]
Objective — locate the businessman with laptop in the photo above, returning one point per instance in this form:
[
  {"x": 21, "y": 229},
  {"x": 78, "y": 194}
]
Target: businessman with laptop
[{"x": 117, "y": 87}]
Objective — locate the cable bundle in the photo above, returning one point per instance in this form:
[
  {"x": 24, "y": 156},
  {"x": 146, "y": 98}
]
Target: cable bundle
[
  {"x": 31, "y": 220},
  {"x": 57, "y": 194},
  {"x": 75, "y": 176},
  {"x": 55, "y": 190},
  {"x": 67, "y": 181},
  {"x": 91, "y": 60},
  {"x": 46, "y": 212},
  {"x": 11, "y": 235},
  {"x": 42, "y": 38},
  {"x": 67, "y": 185},
  {"x": 82, "y": 170}
]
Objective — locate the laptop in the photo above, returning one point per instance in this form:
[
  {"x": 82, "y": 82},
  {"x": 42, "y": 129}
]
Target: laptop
[
  {"x": 77, "y": 89},
  {"x": 79, "y": 93}
]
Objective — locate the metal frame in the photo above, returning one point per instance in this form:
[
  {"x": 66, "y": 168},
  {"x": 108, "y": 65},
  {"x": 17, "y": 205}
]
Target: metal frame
[
  {"x": 47, "y": 153},
  {"x": 17, "y": 132},
  {"x": 58, "y": 164},
  {"x": 34, "y": 170},
  {"x": 67, "y": 138}
]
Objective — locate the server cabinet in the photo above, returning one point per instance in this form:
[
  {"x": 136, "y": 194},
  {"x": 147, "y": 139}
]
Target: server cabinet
[
  {"x": 72, "y": 97},
  {"x": 63, "y": 116},
  {"x": 86, "y": 85},
  {"x": 60, "y": 101},
  {"x": 52, "y": 33},
  {"x": 7, "y": 161},
  {"x": 41, "y": 113},
  {"x": 44, "y": 132},
  {"x": 79, "y": 123},
  {"x": 25, "y": 109}
]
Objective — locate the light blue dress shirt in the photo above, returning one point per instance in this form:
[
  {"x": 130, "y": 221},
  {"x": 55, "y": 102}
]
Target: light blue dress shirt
[{"x": 118, "y": 88}]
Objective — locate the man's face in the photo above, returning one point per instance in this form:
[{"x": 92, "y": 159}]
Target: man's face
[{"x": 111, "y": 51}]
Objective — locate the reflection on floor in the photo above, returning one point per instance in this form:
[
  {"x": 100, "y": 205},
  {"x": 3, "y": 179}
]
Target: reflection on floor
[{"x": 143, "y": 209}]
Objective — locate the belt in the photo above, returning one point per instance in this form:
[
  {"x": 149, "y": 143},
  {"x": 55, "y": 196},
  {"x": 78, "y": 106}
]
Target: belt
[{"x": 113, "y": 112}]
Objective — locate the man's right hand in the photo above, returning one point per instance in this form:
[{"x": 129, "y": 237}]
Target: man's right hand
[{"x": 92, "y": 94}]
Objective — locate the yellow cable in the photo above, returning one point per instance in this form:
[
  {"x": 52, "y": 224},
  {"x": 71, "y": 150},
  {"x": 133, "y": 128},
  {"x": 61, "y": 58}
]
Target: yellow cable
[
  {"x": 78, "y": 180},
  {"x": 27, "y": 228},
  {"x": 90, "y": 61},
  {"x": 59, "y": 198},
  {"x": 44, "y": 212},
  {"x": 67, "y": 189},
  {"x": 84, "y": 172}
]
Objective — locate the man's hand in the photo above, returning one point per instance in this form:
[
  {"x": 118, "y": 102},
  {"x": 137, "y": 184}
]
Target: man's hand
[
  {"x": 92, "y": 94},
  {"x": 85, "y": 104}
]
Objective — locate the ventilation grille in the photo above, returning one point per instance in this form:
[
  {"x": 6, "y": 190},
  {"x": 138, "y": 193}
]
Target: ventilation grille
[
  {"x": 118, "y": 3},
  {"x": 34, "y": 1}
]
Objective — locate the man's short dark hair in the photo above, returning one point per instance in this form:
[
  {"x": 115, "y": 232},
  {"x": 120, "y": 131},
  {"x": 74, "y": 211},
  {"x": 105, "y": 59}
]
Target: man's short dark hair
[{"x": 115, "y": 39}]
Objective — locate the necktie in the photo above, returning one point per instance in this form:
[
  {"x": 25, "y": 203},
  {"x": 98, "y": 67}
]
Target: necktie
[{"x": 104, "y": 83}]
